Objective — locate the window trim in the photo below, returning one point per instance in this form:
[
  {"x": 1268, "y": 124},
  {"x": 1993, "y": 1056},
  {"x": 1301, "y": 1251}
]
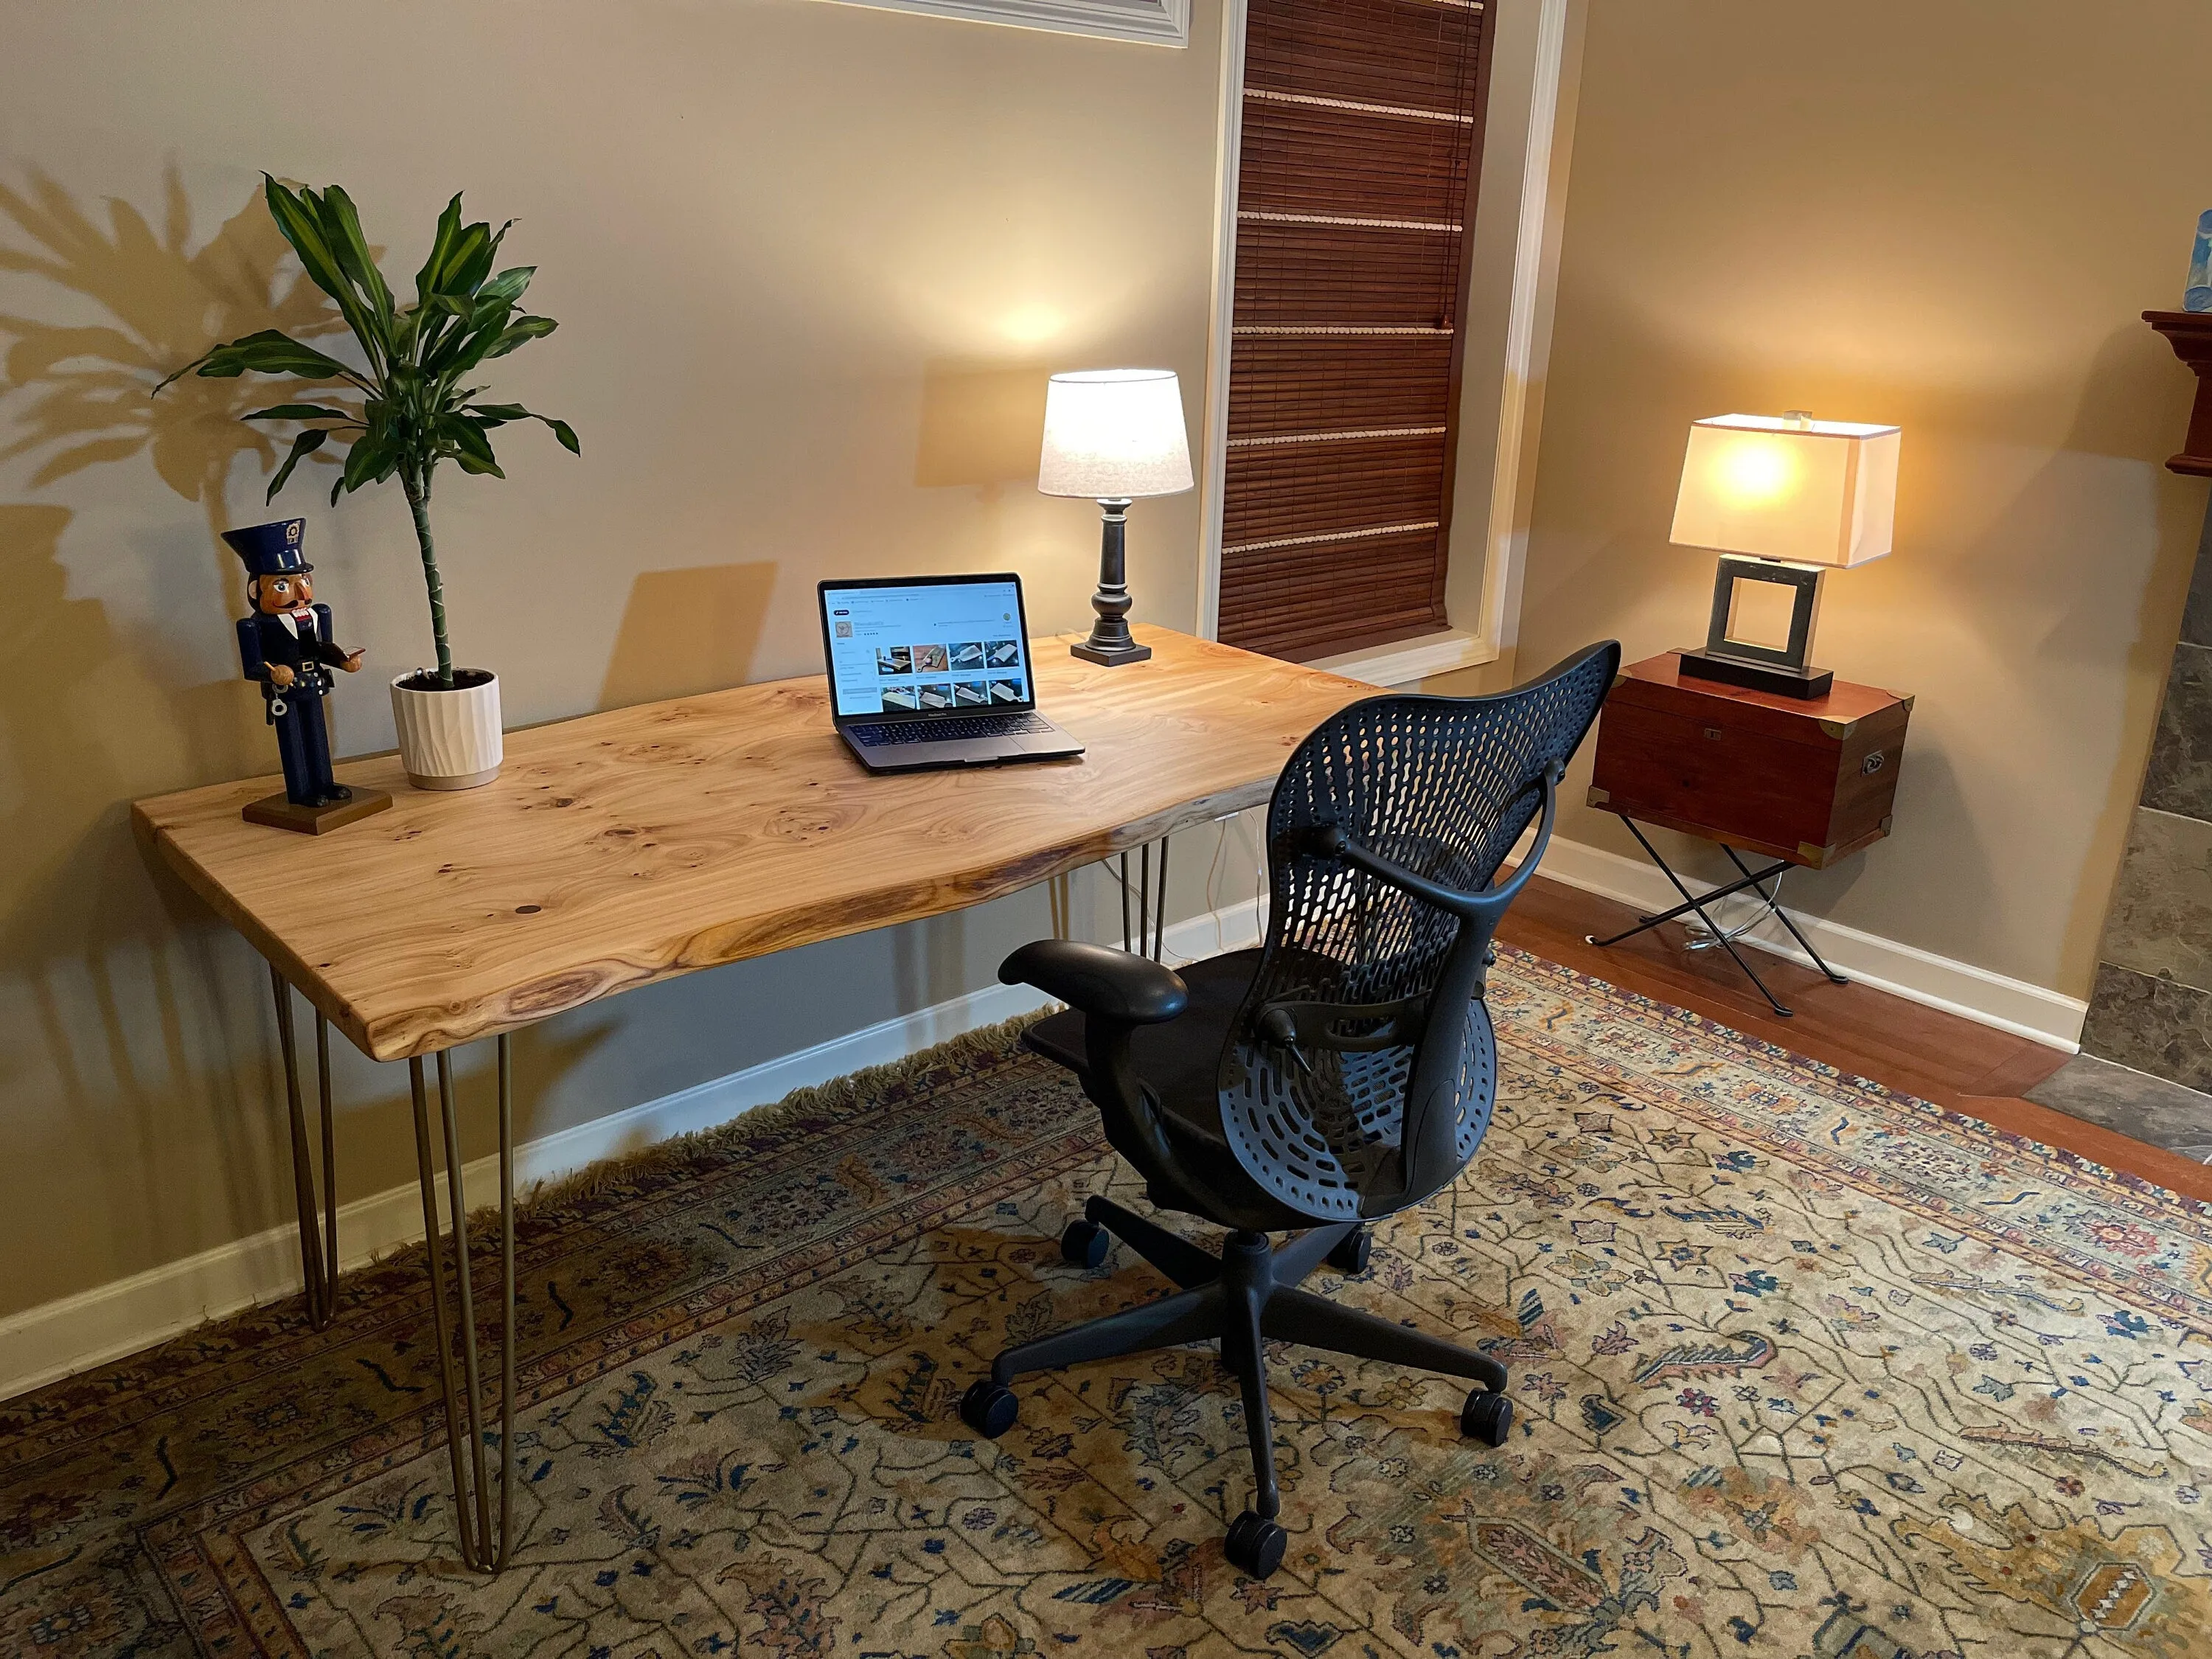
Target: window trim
[
  {"x": 1149, "y": 23},
  {"x": 1544, "y": 62}
]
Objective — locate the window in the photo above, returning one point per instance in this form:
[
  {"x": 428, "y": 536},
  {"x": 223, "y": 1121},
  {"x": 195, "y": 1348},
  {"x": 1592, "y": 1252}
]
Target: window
[{"x": 1360, "y": 146}]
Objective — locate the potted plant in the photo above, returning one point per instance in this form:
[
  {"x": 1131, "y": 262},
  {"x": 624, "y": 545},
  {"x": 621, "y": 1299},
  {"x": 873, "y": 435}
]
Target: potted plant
[{"x": 410, "y": 408}]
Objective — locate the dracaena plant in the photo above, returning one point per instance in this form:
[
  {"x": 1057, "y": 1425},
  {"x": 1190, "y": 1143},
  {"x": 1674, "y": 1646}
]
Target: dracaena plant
[{"x": 412, "y": 406}]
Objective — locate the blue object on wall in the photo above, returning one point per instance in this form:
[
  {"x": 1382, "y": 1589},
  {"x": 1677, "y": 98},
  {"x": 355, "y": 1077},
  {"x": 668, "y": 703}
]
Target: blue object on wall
[{"x": 2198, "y": 295}]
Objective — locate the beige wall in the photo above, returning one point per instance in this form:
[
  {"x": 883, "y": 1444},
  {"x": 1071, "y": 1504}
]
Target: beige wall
[
  {"x": 812, "y": 263},
  {"x": 1941, "y": 213}
]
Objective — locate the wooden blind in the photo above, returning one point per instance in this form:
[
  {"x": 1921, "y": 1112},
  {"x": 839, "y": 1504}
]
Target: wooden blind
[{"x": 1362, "y": 131}]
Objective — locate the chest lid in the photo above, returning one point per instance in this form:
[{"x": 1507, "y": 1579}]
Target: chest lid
[{"x": 1657, "y": 682}]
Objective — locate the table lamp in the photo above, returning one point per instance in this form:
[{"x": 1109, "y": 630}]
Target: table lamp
[
  {"x": 1781, "y": 500},
  {"x": 1113, "y": 434}
]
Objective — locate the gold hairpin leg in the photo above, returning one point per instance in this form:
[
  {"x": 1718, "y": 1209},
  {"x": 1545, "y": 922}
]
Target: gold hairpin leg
[
  {"x": 483, "y": 1548},
  {"x": 317, "y": 1217}
]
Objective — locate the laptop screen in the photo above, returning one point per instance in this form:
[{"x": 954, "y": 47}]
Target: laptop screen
[{"x": 926, "y": 647}]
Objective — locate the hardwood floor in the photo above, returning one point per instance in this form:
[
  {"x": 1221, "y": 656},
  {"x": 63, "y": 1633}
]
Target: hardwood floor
[{"x": 1954, "y": 1062}]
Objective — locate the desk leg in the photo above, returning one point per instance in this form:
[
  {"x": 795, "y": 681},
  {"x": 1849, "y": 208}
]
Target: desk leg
[
  {"x": 318, "y": 1217},
  {"x": 482, "y": 1549},
  {"x": 1152, "y": 911}
]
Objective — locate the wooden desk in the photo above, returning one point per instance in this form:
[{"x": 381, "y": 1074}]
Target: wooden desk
[{"x": 620, "y": 848}]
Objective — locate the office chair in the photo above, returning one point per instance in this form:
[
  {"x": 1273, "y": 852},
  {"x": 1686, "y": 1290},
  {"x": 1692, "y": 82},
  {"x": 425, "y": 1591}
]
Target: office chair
[{"x": 1341, "y": 1073}]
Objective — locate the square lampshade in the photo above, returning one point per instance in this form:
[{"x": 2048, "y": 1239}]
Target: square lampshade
[
  {"x": 1113, "y": 432},
  {"x": 1811, "y": 492}
]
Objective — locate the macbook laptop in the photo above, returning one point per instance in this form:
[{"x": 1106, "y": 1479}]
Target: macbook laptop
[{"x": 934, "y": 671}]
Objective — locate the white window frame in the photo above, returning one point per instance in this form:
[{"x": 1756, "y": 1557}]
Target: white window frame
[
  {"x": 1526, "y": 137},
  {"x": 1153, "y": 22}
]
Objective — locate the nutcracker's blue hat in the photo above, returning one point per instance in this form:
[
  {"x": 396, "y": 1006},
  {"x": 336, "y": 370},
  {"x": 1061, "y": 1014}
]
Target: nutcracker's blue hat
[{"x": 271, "y": 550}]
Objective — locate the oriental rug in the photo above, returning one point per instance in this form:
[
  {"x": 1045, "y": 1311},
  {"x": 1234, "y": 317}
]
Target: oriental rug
[{"x": 1801, "y": 1367}]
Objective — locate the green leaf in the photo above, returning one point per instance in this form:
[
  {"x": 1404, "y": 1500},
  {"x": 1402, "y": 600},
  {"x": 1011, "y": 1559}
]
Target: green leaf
[
  {"x": 507, "y": 287},
  {"x": 471, "y": 447},
  {"x": 469, "y": 269},
  {"x": 495, "y": 415},
  {"x": 297, "y": 221},
  {"x": 520, "y": 332},
  {"x": 449, "y": 227},
  {"x": 341, "y": 230},
  {"x": 269, "y": 352},
  {"x": 179, "y": 374},
  {"x": 462, "y": 352},
  {"x": 298, "y": 412},
  {"x": 361, "y": 463},
  {"x": 307, "y": 443},
  {"x": 471, "y": 248}
]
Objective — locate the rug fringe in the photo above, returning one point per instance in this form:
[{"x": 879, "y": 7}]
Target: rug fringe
[{"x": 543, "y": 1197}]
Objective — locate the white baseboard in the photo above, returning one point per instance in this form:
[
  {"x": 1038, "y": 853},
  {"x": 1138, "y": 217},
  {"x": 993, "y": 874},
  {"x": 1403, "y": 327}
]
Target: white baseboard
[
  {"x": 1905, "y": 970},
  {"x": 60, "y": 1337}
]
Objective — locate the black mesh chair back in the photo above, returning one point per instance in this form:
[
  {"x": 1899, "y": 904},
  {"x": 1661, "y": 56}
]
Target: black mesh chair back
[{"x": 1339, "y": 1095}]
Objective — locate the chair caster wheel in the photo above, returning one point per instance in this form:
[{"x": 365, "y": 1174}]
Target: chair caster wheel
[
  {"x": 1254, "y": 1546},
  {"x": 1486, "y": 1417},
  {"x": 988, "y": 1409},
  {"x": 1352, "y": 1252},
  {"x": 1085, "y": 1243}
]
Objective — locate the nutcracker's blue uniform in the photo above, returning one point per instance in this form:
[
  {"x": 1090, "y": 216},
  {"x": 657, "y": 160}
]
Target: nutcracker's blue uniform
[{"x": 303, "y": 642}]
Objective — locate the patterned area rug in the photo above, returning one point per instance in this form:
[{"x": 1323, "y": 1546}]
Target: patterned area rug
[{"x": 1803, "y": 1367}]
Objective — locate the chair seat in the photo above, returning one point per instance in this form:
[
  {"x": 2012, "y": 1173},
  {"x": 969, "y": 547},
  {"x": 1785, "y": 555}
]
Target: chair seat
[
  {"x": 1180, "y": 1058},
  {"x": 1180, "y": 1061}
]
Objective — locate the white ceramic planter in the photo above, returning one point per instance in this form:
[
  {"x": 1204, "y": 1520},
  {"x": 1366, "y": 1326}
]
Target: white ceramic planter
[{"x": 448, "y": 739}]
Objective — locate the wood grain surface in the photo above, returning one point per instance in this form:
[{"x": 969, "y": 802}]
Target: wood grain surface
[{"x": 635, "y": 845}]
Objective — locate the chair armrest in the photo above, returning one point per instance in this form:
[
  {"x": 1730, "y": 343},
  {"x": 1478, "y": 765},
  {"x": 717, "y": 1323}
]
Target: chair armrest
[{"x": 1113, "y": 985}]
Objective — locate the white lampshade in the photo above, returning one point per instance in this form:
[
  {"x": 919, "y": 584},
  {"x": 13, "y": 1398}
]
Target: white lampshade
[
  {"x": 1811, "y": 492},
  {"x": 1113, "y": 432}
]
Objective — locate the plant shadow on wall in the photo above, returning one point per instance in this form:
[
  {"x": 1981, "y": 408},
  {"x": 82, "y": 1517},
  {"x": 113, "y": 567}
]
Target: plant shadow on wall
[
  {"x": 130, "y": 999},
  {"x": 687, "y": 631},
  {"x": 139, "y": 1034}
]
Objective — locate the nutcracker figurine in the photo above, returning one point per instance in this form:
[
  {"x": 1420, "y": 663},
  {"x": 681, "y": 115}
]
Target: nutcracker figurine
[{"x": 289, "y": 645}]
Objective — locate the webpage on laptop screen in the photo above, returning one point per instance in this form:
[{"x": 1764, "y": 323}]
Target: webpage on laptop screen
[{"x": 922, "y": 649}]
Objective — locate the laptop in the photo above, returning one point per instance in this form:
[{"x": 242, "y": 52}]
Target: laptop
[{"x": 934, "y": 671}]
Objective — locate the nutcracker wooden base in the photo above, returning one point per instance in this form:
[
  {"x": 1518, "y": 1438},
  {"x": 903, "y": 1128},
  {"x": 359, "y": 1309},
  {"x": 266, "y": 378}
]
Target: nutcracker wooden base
[{"x": 280, "y": 812}]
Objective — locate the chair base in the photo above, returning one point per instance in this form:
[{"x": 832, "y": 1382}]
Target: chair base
[{"x": 1245, "y": 1296}]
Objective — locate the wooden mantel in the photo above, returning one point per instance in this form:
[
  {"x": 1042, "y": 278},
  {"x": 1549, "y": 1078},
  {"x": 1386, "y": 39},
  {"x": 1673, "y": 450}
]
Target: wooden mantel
[{"x": 2189, "y": 334}]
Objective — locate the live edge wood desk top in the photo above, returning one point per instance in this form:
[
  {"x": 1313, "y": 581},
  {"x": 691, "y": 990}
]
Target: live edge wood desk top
[{"x": 635, "y": 845}]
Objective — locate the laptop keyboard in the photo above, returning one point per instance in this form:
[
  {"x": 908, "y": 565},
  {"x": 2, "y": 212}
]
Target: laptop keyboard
[{"x": 876, "y": 735}]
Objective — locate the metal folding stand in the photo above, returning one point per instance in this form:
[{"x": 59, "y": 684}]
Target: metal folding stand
[
  {"x": 1147, "y": 905},
  {"x": 1715, "y": 934}
]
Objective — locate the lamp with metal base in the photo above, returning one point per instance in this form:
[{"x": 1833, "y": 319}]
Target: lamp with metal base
[
  {"x": 1781, "y": 501},
  {"x": 1112, "y": 435}
]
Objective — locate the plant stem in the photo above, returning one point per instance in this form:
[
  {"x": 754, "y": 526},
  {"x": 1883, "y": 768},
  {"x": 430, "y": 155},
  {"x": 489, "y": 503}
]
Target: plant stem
[{"x": 417, "y": 486}]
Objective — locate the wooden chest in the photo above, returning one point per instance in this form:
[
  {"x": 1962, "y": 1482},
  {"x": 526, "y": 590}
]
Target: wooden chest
[{"x": 1809, "y": 781}]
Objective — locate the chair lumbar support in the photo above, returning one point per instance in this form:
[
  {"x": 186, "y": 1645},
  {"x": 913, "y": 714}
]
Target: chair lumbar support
[{"x": 1248, "y": 1295}]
